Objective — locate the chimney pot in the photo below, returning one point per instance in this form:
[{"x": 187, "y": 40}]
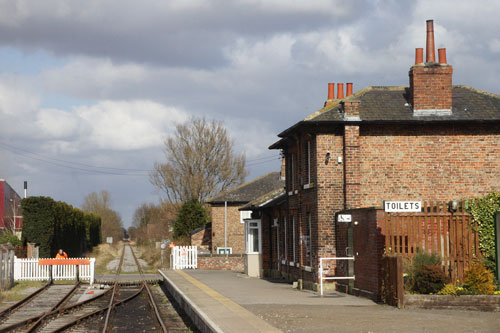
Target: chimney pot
[
  {"x": 431, "y": 54},
  {"x": 419, "y": 55},
  {"x": 442, "y": 56},
  {"x": 349, "y": 89},
  {"x": 340, "y": 90},
  {"x": 331, "y": 90}
]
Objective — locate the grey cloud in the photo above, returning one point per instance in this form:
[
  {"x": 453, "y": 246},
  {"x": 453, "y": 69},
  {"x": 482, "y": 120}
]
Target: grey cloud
[{"x": 154, "y": 32}]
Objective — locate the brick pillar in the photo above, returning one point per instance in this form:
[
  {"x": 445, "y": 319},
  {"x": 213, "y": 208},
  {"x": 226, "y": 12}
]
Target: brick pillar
[{"x": 352, "y": 160}]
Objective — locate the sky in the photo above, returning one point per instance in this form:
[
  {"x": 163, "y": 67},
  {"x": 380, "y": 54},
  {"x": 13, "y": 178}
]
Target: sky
[{"x": 89, "y": 90}]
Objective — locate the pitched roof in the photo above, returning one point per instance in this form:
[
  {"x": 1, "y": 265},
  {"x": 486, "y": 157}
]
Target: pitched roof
[
  {"x": 205, "y": 226},
  {"x": 392, "y": 104},
  {"x": 266, "y": 200},
  {"x": 251, "y": 190}
]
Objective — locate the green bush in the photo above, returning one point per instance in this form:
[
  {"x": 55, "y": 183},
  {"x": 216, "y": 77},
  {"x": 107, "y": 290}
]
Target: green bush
[
  {"x": 483, "y": 214},
  {"x": 426, "y": 274},
  {"x": 10, "y": 238},
  {"x": 54, "y": 225},
  {"x": 479, "y": 280},
  {"x": 429, "y": 279},
  {"x": 449, "y": 289},
  {"x": 192, "y": 215}
]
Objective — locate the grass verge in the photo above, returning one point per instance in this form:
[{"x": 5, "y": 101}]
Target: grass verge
[{"x": 20, "y": 290}]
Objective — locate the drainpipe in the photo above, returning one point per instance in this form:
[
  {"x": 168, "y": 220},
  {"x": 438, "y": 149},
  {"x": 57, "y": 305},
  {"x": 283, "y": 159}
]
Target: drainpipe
[{"x": 225, "y": 227}]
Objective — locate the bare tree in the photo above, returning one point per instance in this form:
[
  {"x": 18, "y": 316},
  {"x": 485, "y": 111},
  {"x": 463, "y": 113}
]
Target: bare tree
[
  {"x": 111, "y": 222},
  {"x": 201, "y": 162},
  {"x": 154, "y": 222}
]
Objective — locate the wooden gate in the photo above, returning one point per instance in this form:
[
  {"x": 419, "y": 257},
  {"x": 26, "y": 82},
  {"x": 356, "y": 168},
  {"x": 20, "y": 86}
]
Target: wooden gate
[{"x": 435, "y": 230}]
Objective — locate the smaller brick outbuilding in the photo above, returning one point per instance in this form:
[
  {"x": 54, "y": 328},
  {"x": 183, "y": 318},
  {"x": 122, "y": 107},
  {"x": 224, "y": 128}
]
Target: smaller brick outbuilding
[{"x": 226, "y": 206}]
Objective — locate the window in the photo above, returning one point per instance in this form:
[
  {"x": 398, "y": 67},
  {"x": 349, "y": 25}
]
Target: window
[
  {"x": 224, "y": 250},
  {"x": 308, "y": 163},
  {"x": 285, "y": 250},
  {"x": 253, "y": 236},
  {"x": 292, "y": 172},
  {"x": 245, "y": 214}
]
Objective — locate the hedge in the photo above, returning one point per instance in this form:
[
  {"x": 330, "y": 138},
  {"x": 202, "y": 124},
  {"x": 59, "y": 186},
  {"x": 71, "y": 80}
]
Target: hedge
[{"x": 56, "y": 225}]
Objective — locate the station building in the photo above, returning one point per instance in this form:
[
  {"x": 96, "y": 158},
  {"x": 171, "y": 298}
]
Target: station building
[{"x": 431, "y": 140}]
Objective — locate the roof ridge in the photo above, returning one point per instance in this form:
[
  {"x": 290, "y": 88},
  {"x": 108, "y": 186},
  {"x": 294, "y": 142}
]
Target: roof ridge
[
  {"x": 480, "y": 91},
  {"x": 337, "y": 102},
  {"x": 242, "y": 185}
]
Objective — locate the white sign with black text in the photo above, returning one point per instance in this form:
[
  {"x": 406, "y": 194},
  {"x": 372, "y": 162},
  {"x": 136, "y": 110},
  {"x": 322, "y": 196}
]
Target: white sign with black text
[
  {"x": 344, "y": 218},
  {"x": 402, "y": 206}
]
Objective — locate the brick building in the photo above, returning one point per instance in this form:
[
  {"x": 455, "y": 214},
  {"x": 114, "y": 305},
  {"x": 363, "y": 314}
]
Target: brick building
[
  {"x": 10, "y": 209},
  {"x": 234, "y": 200},
  {"x": 428, "y": 141}
]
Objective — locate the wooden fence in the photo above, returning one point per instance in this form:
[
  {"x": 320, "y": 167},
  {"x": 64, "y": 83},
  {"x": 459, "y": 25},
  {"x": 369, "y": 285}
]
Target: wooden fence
[
  {"x": 434, "y": 230},
  {"x": 184, "y": 257},
  {"x": 392, "y": 291},
  {"x": 29, "y": 269},
  {"x": 6, "y": 267}
]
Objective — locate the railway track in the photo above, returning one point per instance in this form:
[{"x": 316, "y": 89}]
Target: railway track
[{"x": 65, "y": 307}]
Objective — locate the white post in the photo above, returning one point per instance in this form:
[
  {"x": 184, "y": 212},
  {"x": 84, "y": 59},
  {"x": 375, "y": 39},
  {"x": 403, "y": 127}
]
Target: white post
[
  {"x": 321, "y": 276},
  {"x": 92, "y": 266},
  {"x": 225, "y": 227}
]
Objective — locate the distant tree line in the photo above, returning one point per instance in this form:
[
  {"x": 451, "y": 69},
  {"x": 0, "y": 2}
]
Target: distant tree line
[
  {"x": 111, "y": 222},
  {"x": 55, "y": 224}
]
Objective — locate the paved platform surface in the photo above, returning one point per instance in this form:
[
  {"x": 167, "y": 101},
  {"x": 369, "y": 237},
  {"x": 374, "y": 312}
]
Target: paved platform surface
[{"x": 290, "y": 310}]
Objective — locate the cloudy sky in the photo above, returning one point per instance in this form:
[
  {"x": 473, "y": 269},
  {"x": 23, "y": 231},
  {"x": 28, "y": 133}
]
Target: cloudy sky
[{"x": 90, "y": 89}]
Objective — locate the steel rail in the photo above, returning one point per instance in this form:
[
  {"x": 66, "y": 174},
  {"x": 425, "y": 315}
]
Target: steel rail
[
  {"x": 106, "y": 308},
  {"x": 152, "y": 302},
  {"x": 55, "y": 307},
  {"x": 37, "y": 318},
  {"x": 24, "y": 300},
  {"x": 115, "y": 288},
  {"x": 57, "y": 311}
]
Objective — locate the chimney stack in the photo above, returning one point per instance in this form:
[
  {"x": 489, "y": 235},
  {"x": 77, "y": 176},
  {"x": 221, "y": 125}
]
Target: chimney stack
[
  {"x": 340, "y": 90},
  {"x": 349, "y": 89},
  {"x": 430, "y": 55},
  {"x": 442, "y": 56},
  {"x": 331, "y": 94},
  {"x": 431, "y": 82},
  {"x": 419, "y": 55}
]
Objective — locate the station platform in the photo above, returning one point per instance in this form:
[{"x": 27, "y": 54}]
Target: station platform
[{"x": 225, "y": 301}]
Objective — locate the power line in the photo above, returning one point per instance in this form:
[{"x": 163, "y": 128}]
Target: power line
[
  {"x": 72, "y": 167},
  {"x": 65, "y": 161}
]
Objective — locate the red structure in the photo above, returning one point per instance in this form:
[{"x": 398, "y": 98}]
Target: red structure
[{"x": 10, "y": 209}]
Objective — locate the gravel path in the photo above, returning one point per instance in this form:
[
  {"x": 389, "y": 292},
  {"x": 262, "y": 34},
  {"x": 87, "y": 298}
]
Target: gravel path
[{"x": 128, "y": 263}]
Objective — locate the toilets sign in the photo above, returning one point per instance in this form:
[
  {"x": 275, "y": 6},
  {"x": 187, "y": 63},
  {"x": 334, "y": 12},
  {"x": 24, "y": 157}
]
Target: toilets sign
[{"x": 402, "y": 206}]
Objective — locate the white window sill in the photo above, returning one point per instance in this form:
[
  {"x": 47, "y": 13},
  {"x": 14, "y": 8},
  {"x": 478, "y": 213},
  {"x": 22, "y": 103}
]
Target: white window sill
[
  {"x": 290, "y": 193},
  {"x": 307, "y": 268},
  {"x": 283, "y": 262},
  {"x": 291, "y": 263},
  {"x": 252, "y": 253},
  {"x": 297, "y": 265},
  {"x": 296, "y": 191}
]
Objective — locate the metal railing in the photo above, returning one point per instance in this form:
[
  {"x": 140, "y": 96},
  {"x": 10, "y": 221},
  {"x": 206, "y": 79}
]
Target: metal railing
[{"x": 321, "y": 277}]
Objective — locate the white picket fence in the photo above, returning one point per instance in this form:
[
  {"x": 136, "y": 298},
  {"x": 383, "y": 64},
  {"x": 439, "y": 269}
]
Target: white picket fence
[
  {"x": 28, "y": 269},
  {"x": 184, "y": 257}
]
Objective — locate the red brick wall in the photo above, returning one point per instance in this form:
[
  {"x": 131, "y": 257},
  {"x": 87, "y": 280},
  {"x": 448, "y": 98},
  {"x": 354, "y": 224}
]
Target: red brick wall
[
  {"x": 235, "y": 229},
  {"x": 368, "y": 249},
  {"x": 428, "y": 162},
  {"x": 203, "y": 238},
  {"x": 221, "y": 262},
  {"x": 431, "y": 87}
]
